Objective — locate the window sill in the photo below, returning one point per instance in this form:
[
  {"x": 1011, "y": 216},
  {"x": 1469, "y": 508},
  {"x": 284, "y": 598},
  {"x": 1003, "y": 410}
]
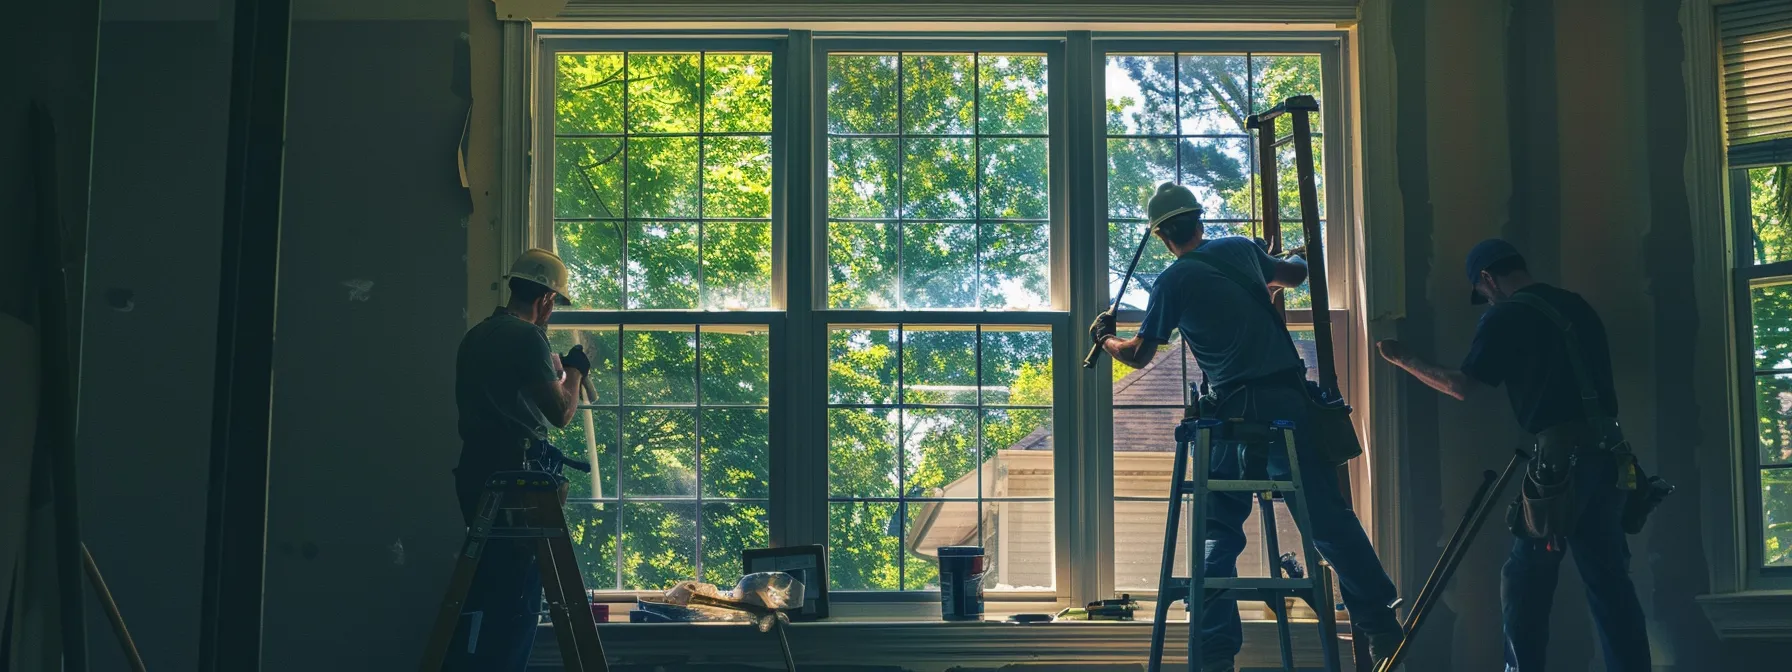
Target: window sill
[
  {"x": 1754, "y": 614},
  {"x": 836, "y": 644}
]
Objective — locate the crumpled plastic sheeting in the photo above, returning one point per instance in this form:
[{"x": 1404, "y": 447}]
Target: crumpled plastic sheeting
[{"x": 768, "y": 590}]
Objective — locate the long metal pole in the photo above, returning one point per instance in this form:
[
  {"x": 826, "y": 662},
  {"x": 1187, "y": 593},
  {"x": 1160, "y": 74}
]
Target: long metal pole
[
  {"x": 1094, "y": 355},
  {"x": 236, "y": 513}
]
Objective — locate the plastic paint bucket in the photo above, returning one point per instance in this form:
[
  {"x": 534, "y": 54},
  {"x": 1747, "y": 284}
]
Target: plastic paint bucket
[{"x": 961, "y": 583}]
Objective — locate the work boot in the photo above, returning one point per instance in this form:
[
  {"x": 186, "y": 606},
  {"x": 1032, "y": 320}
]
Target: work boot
[
  {"x": 1218, "y": 665},
  {"x": 1383, "y": 644}
]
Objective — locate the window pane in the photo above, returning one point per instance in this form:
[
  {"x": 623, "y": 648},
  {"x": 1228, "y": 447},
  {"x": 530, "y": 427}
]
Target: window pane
[
  {"x": 658, "y": 544},
  {"x": 593, "y": 255},
  {"x": 862, "y": 177},
  {"x": 1770, "y": 209},
  {"x": 1015, "y": 183},
  {"x": 1773, "y": 419},
  {"x": 735, "y": 446},
  {"x": 1017, "y": 544},
  {"x": 1218, "y": 170},
  {"x": 863, "y": 540},
  {"x": 662, "y": 93},
  {"x": 862, "y": 366},
  {"x": 939, "y": 265},
  {"x": 1012, "y": 94},
  {"x": 735, "y": 369},
  {"x": 738, "y": 93},
  {"x": 737, "y": 265},
  {"x": 942, "y": 446},
  {"x": 862, "y": 264},
  {"x": 862, "y": 452},
  {"x": 1288, "y": 180},
  {"x": 931, "y": 525},
  {"x": 1136, "y": 564},
  {"x": 1017, "y": 452},
  {"x": 1135, "y": 168},
  {"x": 1017, "y": 367},
  {"x": 728, "y": 529},
  {"x": 592, "y": 528},
  {"x": 862, "y": 93},
  {"x": 939, "y": 366},
  {"x": 588, "y": 177},
  {"x": 661, "y": 457},
  {"x": 1275, "y": 79},
  {"x": 1772, "y": 310},
  {"x": 662, "y": 177},
  {"x": 590, "y": 437},
  {"x": 1141, "y": 95},
  {"x": 737, "y": 177},
  {"x": 659, "y": 365},
  {"x": 1214, "y": 95},
  {"x": 1776, "y": 516},
  {"x": 662, "y": 265},
  {"x": 936, "y": 94},
  {"x": 1015, "y": 257},
  {"x": 588, "y": 93},
  {"x": 938, "y": 177}
]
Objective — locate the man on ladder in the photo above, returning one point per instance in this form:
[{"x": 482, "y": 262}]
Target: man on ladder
[
  {"x": 509, "y": 387},
  {"x": 1253, "y": 374},
  {"x": 1566, "y": 398}
]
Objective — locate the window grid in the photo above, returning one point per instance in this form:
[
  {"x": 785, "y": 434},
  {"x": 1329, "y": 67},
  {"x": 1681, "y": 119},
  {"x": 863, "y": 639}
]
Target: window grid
[
  {"x": 622, "y": 409},
  {"x": 901, "y": 135},
  {"x": 1763, "y": 274},
  {"x": 704, "y": 297}
]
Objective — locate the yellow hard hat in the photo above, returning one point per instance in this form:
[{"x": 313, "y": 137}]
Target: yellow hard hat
[
  {"x": 1170, "y": 200},
  {"x": 542, "y": 268}
]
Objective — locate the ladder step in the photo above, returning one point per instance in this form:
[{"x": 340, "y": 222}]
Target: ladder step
[
  {"x": 1188, "y": 487},
  {"x": 1258, "y": 583}
]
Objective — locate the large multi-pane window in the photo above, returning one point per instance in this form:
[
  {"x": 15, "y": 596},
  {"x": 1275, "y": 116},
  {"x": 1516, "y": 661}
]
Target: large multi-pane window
[
  {"x": 1180, "y": 117},
  {"x": 1764, "y": 218},
  {"x": 869, "y": 266}
]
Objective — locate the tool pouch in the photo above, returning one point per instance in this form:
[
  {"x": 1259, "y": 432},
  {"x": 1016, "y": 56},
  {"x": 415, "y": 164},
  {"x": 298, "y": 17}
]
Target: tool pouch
[
  {"x": 1548, "y": 505},
  {"x": 1328, "y": 418}
]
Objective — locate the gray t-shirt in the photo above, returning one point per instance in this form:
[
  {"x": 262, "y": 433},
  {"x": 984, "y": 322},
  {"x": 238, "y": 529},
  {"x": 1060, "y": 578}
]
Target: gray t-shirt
[
  {"x": 499, "y": 361},
  {"x": 1234, "y": 339}
]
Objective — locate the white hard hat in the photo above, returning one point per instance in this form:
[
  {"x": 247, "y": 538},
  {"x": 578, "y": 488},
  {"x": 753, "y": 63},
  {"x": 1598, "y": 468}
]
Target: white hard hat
[{"x": 542, "y": 268}]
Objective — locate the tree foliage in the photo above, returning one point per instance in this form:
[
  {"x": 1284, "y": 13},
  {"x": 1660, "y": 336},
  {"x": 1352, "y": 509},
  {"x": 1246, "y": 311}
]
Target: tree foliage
[{"x": 1770, "y": 206}]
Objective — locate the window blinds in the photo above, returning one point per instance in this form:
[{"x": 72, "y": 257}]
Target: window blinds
[{"x": 1757, "y": 58}]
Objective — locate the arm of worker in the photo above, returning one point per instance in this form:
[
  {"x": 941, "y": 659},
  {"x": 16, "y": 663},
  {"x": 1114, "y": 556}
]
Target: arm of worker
[
  {"x": 1282, "y": 273},
  {"x": 555, "y": 392},
  {"x": 1489, "y": 356},
  {"x": 1135, "y": 352},
  {"x": 1162, "y": 313}
]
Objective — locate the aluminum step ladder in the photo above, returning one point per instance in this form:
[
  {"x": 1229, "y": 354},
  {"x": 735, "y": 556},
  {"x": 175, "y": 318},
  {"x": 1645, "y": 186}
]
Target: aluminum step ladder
[{"x": 1197, "y": 436}]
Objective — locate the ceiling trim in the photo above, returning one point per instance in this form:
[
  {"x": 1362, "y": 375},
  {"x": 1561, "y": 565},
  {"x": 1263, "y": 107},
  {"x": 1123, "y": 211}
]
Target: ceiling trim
[{"x": 1008, "y": 11}]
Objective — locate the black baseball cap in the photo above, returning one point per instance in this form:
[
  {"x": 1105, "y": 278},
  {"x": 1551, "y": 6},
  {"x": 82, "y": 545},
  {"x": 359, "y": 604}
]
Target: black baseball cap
[{"x": 1486, "y": 253}]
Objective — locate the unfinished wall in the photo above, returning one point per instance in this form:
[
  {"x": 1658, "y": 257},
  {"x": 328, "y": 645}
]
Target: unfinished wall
[{"x": 1561, "y": 126}]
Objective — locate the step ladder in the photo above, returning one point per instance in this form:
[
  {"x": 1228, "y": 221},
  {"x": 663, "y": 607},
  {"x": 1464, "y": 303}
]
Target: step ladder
[
  {"x": 1197, "y": 436},
  {"x": 530, "y": 502}
]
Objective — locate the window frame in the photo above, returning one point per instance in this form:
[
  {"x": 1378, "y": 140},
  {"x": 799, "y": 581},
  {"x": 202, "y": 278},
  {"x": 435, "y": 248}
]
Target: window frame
[
  {"x": 1745, "y": 276},
  {"x": 798, "y": 320}
]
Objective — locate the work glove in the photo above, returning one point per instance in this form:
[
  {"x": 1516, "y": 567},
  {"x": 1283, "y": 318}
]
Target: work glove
[
  {"x": 1105, "y": 325},
  {"x": 576, "y": 359}
]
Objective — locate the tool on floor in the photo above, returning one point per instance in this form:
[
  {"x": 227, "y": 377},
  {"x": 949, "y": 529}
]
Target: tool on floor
[
  {"x": 1094, "y": 355},
  {"x": 1480, "y": 506},
  {"x": 529, "y": 503},
  {"x": 1197, "y": 436}
]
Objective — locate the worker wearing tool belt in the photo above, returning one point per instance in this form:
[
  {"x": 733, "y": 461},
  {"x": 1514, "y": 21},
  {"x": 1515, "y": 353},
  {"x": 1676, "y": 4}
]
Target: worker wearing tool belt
[
  {"x": 509, "y": 388},
  {"x": 1579, "y": 483},
  {"x": 1252, "y": 372}
]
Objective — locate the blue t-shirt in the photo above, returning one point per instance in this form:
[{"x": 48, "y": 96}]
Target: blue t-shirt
[{"x": 1234, "y": 339}]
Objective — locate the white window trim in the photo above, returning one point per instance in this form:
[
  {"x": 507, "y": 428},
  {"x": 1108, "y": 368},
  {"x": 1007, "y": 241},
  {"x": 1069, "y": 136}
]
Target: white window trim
[{"x": 1082, "y": 397}]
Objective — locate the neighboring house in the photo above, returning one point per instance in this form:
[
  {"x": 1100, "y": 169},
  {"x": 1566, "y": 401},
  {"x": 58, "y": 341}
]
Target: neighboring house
[{"x": 1018, "y": 535}]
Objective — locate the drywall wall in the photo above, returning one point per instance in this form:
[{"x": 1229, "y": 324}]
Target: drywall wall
[{"x": 1560, "y": 125}]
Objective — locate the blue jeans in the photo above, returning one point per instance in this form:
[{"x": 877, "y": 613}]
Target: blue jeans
[
  {"x": 1601, "y": 553},
  {"x": 498, "y": 620},
  {"x": 1336, "y": 532}
]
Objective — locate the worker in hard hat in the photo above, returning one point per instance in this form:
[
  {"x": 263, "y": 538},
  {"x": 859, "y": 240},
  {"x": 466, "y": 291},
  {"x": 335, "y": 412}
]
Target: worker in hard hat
[
  {"x": 509, "y": 388},
  {"x": 1251, "y": 370}
]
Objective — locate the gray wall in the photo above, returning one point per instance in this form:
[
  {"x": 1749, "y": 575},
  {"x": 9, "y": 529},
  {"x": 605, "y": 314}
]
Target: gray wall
[
  {"x": 361, "y": 518},
  {"x": 1560, "y": 125}
]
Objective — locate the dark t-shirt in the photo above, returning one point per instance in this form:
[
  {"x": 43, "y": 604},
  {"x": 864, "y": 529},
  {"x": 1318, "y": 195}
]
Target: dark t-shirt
[
  {"x": 1234, "y": 339},
  {"x": 499, "y": 361},
  {"x": 1520, "y": 347}
]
